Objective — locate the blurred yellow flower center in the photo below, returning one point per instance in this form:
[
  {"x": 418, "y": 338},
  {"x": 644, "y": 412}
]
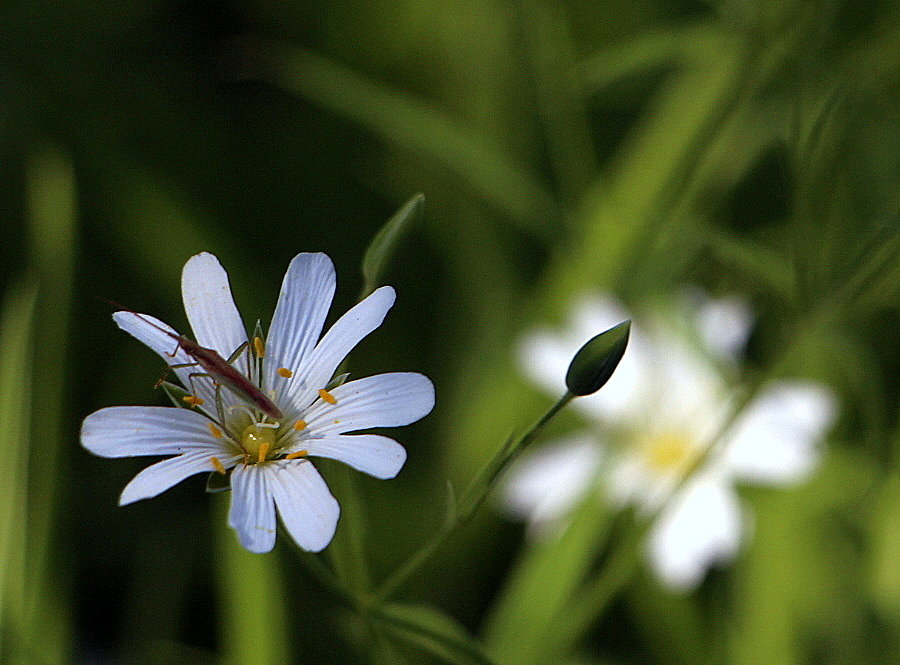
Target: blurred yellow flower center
[
  {"x": 257, "y": 441},
  {"x": 669, "y": 451}
]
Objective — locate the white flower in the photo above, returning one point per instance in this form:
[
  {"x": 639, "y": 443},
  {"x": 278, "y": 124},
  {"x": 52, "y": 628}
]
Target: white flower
[
  {"x": 669, "y": 398},
  {"x": 227, "y": 430}
]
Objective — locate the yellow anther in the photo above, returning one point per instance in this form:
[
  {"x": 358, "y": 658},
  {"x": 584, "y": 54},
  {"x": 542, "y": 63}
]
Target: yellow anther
[
  {"x": 327, "y": 396},
  {"x": 336, "y": 422},
  {"x": 263, "y": 451},
  {"x": 299, "y": 453},
  {"x": 217, "y": 465},
  {"x": 215, "y": 431},
  {"x": 259, "y": 347},
  {"x": 193, "y": 400},
  {"x": 300, "y": 425},
  {"x": 285, "y": 372}
]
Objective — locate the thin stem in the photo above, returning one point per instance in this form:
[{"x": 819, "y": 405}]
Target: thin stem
[{"x": 471, "y": 500}]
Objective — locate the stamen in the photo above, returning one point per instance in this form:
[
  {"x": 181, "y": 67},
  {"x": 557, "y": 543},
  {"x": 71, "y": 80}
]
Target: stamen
[
  {"x": 300, "y": 425},
  {"x": 215, "y": 431},
  {"x": 259, "y": 347},
  {"x": 336, "y": 422},
  {"x": 327, "y": 396},
  {"x": 285, "y": 372},
  {"x": 263, "y": 451},
  {"x": 299, "y": 453},
  {"x": 193, "y": 400},
  {"x": 217, "y": 465}
]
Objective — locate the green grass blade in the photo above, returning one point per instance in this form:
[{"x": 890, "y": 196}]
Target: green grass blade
[
  {"x": 412, "y": 124},
  {"x": 16, "y": 361}
]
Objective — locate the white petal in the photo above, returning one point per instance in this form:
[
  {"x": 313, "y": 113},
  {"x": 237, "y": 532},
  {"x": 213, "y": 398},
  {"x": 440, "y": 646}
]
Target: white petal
[
  {"x": 544, "y": 485},
  {"x": 331, "y": 350},
  {"x": 776, "y": 439},
  {"x": 210, "y": 306},
  {"x": 252, "y": 513},
  {"x": 383, "y": 400},
  {"x": 127, "y": 431},
  {"x": 150, "y": 331},
  {"x": 304, "y": 301},
  {"x": 701, "y": 527},
  {"x": 307, "y": 509},
  {"x": 161, "y": 476},
  {"x": 724, "y": 325},
  {"x": 376, "y": 455}
]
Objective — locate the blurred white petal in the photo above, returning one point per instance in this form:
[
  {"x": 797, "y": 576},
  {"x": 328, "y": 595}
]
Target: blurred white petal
[
  {"x": 724, "y": 325},
  {"x": 701, "y": 527},
  {"x": 543, "y": 485},
  {"x": 777, "y": 438}
]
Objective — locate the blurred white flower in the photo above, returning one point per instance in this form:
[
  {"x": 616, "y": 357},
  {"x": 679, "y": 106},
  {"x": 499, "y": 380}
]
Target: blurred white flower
[
  {"x": 294, "y": 367},
  {"x": 669, "y": 398}
]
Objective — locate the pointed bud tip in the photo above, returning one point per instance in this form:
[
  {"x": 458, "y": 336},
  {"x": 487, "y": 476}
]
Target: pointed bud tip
[{"x": 596, "y": 361}]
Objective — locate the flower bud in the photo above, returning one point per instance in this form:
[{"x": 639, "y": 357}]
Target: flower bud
[{"x": 596, "y": 361}]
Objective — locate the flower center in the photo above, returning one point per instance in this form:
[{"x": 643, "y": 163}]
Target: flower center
[
  {"x": 258, "y": 440},
  {"x": 669, "y": 452}
]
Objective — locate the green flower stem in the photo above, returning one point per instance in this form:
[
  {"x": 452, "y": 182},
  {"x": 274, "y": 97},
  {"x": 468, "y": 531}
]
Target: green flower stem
[{"x": 471, "y": 500}]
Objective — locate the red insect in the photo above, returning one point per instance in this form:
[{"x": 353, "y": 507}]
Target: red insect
[{"x": 219, "y": 369}]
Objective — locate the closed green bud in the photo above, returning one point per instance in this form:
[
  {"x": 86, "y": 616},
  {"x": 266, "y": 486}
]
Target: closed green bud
[{"x": 596, "y": 361}]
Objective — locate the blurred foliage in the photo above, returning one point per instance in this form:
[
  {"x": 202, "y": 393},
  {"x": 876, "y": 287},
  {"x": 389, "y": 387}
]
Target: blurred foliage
[{"x": 752, "y": 148}]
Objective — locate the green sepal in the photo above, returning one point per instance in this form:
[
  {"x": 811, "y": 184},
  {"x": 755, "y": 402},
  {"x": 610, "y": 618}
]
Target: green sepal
[
  {"x": 596, "y": 361},
  {"x": 385, "y": 242},
  {"x": 337, "y": 381},
  {"x": 175, "y": 393},
  {"x": 258, "y": 332},
  {"x": 217, "y": 482}
]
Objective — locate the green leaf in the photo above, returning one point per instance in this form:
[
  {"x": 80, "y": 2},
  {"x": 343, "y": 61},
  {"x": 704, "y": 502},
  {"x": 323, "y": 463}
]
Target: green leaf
[
  {"x": 596, "y": 361},
  {"x": 544, "y": 579},
  {"x": 432, "y": 630},
  {"x": 382, "y": 247}
]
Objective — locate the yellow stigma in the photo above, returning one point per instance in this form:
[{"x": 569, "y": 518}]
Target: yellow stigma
[
  {"x": 300, "y": 425},
  {"x": 669, "y": 451},
  {"x": 327, "y": 396},
  {"x": 299, "y": 453},
  {"x": 285, "y": 372},
  {"x": 193, "y": 400},
  {"x": 217, "y": 465},
  {"x": 259, "y": 347},
  {"x": 215, "y": 431},
  {"x": 257, "y": 441}
]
